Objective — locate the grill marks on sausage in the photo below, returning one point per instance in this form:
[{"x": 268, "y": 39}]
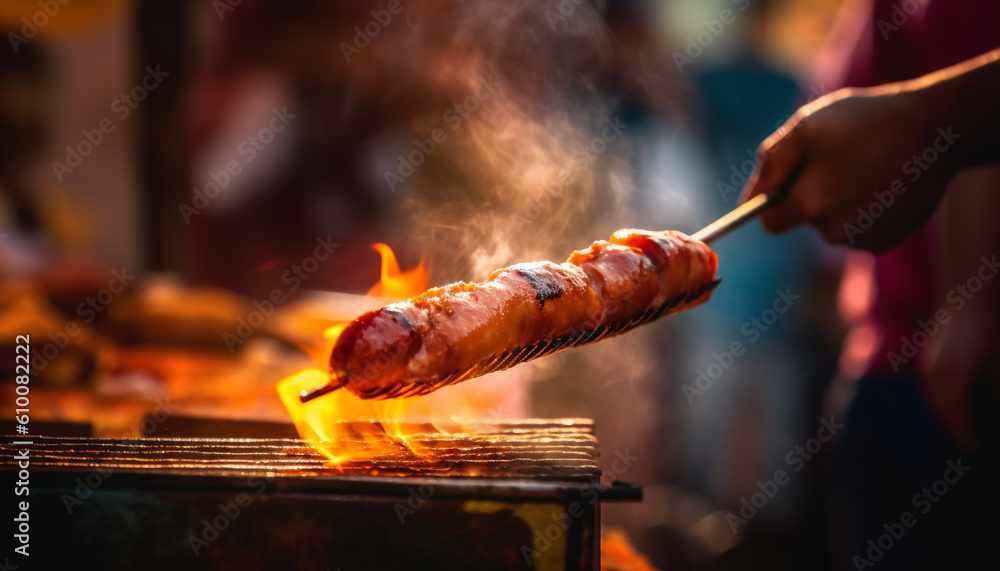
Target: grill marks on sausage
[
  {"x": 461, "y": 331},
  {"x": 546, "y": 286},
  {"x": 399, "y": 318}
]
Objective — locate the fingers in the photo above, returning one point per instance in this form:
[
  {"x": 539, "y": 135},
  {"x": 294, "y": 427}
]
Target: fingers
[
  {"x": 833, "y": 229},
  {"x": 784, "y": 215},
  {"x": 779, "y": 158},
  {"x": 805, "y": 202}
]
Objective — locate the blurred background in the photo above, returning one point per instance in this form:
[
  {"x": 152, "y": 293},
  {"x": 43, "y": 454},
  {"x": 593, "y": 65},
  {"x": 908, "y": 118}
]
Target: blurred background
[{"x": 167, "y": 166}]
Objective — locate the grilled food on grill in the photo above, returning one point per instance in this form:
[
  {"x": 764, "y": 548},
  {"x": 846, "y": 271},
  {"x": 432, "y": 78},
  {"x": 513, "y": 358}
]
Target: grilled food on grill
[{"x": 460, "y": 331}]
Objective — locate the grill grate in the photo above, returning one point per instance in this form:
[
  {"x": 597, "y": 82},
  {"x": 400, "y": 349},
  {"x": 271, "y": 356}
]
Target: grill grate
[
  {"x": 528, "y": 450},
  {"x": 469, "y": 501}
]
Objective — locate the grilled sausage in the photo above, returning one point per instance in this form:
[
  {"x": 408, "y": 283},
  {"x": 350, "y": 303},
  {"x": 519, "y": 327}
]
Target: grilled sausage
[{"x": 460, "y": 331}]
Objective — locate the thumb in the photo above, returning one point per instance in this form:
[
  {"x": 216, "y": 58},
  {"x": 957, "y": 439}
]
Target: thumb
[{"x": 778, "y": 160}]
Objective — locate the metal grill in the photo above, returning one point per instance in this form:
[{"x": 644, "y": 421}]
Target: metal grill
[
  {"x": 463, "y": 501},
  {"x": 535, "y": 450}
]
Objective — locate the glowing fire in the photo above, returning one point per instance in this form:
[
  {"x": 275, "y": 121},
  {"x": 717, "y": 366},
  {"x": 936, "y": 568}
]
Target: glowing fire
[
  {"x": 394, "y": 282},
  {"x": 331, "y": 421}
]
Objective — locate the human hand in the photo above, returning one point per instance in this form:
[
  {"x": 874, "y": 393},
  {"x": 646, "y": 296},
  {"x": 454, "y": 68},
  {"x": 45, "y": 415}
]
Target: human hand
[{"x": 865, "y": 167}]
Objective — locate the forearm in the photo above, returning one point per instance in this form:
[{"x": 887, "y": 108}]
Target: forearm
[
  {"x": 842, "y": 149},
  {"x": 965, "y": 98}
]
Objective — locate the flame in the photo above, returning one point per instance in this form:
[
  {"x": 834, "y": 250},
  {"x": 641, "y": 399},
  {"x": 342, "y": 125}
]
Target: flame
[
  {"x": 394, "y": 282},
  {"x": 325, "y": 420},
  {"x": 332, "y": 421}
]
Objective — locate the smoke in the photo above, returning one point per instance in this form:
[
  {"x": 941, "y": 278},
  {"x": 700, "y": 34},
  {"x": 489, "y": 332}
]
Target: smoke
[
  {"x": 529, "y": 159},
  {"x": 539, "y": 168},
  {"x": 509, "y": 142}
]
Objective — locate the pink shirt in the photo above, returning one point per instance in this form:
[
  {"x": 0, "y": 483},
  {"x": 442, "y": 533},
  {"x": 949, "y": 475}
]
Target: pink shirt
[{"x": 890, "y": 44}]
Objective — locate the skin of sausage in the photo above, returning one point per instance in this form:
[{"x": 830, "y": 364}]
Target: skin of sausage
[{"x": 450, "y": 329}]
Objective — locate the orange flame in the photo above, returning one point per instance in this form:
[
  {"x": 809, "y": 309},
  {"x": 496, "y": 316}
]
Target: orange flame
[
  {"x": 331, "y": 421},
  {"x": 394, "y": 282}
]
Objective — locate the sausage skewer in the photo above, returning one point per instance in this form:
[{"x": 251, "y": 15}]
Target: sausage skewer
[{"x": 461, "y": 331}]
